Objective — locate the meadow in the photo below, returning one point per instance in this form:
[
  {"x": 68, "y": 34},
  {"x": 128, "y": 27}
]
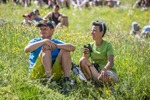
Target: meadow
[{"x": 132, "y": 56}]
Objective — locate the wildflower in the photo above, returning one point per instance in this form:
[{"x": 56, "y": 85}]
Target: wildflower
[{"x": 107, "y": 91}]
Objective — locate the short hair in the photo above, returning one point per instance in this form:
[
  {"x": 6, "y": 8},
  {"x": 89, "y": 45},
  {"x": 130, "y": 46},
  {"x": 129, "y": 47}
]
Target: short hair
[
  {"x": 57, "y": 6},
  {"x": 102, "y": 26}
]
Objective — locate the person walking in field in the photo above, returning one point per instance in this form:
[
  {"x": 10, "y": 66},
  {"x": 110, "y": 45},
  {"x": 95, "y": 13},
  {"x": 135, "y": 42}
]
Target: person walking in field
[
  {"x": 100, "y": 68},
  {"x": 49, "y": 58}
]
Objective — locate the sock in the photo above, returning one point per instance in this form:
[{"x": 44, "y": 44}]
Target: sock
[{"x": 66, "y": 79}]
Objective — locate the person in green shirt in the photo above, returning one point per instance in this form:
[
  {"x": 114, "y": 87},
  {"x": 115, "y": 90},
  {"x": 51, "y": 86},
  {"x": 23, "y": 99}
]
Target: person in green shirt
[{"x": 98, "y": 57}]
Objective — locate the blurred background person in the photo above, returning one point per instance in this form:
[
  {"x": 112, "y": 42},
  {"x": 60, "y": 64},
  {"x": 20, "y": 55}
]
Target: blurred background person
[
  {"x": 112, "y": 3},
  {"x": 38, "y": 3},
  {"x": 145, "y": 31},
  {"x": 58, "y": 18},
  {"x": 26, "y": 20},
  {"x": 37, "y": 17},
  {"x": 144, "y": 4}
]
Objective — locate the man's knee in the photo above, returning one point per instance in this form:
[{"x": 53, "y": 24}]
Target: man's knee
[
  {"x": 45, "y": 51},
  {"x": 65, "y": 52}
]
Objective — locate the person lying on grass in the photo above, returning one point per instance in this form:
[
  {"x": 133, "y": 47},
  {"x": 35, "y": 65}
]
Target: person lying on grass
[
  {"x": 49, "y": 58},
  {"x": 100, "y": 68}
]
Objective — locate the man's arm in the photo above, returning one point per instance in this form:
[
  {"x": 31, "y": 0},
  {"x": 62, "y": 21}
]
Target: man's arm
[
  {"x": 67, "y": 46},
  {"x": 48, "y": 15},
  {"x": 32, "y": 47}
]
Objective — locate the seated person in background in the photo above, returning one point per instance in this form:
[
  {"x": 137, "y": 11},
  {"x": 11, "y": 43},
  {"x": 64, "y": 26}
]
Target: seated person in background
[
  {"x": 100, "y": 68},
  {"x": 32, "y": 16},
  {"x": 145, "y": 31},
  {"x": 112, "y": 3},
  {"x": 82, "y": 3},
  {"x": 38, "y": 3},
  {"x": 37, "y": 18},
  {"x": 142, "y": 3},
  {"x": 147, "y": 3},
  {"x": 138, "y": 33},
  {"x": 135, "y": 29},
  {"x": 65, "y": 3},
  {"x": 76, "y": 3},
  {"x": 49, "y": 58},
  {"x": 58, "y": 18},
  {"x": 98, "y": 2},
  {"x": 26, "y": 20},
  {"x": 87, "y": 3}
]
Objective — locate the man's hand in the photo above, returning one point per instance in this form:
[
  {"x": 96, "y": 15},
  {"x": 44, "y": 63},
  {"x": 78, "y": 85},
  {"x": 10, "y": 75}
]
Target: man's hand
[{"x": 51, "y": 44}]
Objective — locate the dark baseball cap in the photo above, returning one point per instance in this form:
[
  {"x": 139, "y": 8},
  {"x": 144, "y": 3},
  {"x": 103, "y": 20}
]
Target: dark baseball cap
[{"x": 49, "y": 24}]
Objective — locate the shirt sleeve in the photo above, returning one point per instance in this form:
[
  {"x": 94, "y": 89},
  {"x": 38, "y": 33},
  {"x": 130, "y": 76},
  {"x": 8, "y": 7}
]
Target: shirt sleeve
[
  {"x": 31, "y": 41},
  {"x": 110, "y": 50},
  {"x": 58, "y": 41}
]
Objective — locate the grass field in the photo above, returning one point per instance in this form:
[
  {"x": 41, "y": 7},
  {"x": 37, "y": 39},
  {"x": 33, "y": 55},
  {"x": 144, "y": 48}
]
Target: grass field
[{"x": 132, "y": 57}]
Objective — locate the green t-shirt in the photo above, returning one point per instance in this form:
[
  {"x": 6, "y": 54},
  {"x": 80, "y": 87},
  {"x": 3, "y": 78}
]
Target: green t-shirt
[{"x": 100, "y": 54}]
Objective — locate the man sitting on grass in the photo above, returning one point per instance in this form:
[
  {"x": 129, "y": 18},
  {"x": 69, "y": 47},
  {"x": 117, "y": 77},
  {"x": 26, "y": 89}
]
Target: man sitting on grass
[{"x": 49, "y": 58}]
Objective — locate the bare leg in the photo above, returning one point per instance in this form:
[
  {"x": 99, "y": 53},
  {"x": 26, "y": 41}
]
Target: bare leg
[
  {"x": 46, "y": 61},
  {"x": 65, "y": 60},
  {"x": 84, "y": 65}
]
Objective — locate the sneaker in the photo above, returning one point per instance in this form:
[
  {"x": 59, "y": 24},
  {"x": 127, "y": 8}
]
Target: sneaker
[
  {"x": 53, "y": 85},
  {"x": 66, "y": 86},
  {"x": 44, "y": 81},
  {"x": 79, "y": 73}
]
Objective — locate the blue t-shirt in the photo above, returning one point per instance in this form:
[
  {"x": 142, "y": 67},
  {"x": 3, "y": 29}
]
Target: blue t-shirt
[
  {"x": 146, "y": 28},
  {"x": 38, "y": 19},
  {"x": 34, "y": 54}
]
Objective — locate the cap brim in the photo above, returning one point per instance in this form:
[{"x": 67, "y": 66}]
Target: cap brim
[{"x": 40, "y": 24}]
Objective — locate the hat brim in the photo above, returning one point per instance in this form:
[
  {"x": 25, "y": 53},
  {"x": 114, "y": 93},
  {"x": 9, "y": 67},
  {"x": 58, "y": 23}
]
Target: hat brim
[
  {"x": 40, "y": 24},
  {"x": 45, "y": 24}
]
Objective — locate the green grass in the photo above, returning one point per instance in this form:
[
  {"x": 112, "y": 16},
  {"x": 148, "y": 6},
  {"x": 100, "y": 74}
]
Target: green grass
[{"x": 131, "y": 56}]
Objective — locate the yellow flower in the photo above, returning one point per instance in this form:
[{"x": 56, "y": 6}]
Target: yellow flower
[{"x": 107, "y": 91}]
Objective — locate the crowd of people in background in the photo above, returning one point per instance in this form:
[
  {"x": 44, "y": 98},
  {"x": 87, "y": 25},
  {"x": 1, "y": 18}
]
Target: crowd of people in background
[
  {"x": 32, "y": 18},
  {"x": 67, "y": 3},
  {"x": 143, "y": 4},
  {"x": 55, "y": 17}
]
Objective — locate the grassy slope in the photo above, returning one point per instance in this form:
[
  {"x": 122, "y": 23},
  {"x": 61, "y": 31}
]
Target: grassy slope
[{"x": 131, "y": 57}]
